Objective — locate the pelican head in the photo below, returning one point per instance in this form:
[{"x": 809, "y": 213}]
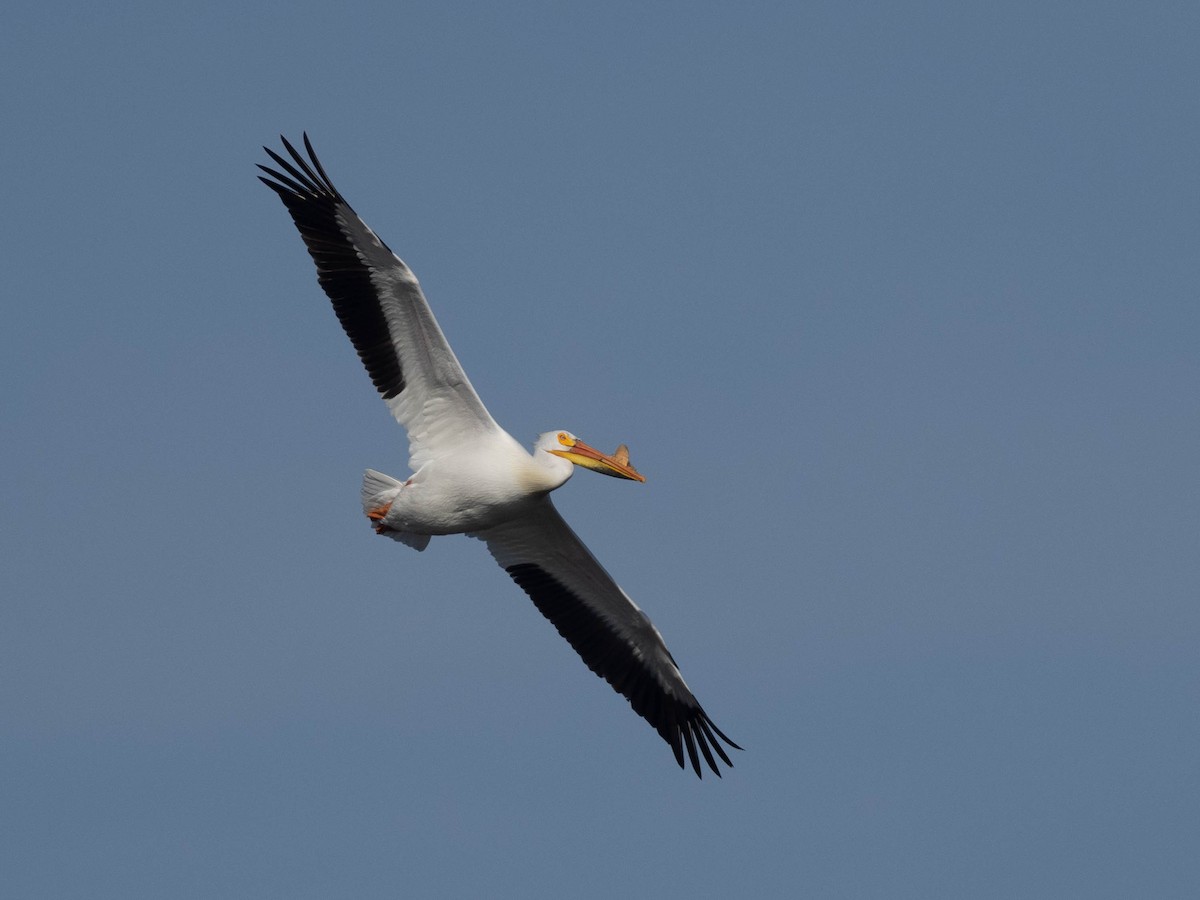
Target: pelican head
[{"x": 566, "y": 445}]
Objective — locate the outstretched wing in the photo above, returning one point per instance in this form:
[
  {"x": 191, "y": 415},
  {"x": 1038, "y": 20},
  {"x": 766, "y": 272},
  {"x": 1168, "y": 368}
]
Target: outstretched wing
[
  {"x": 607, "y": 629},
  {"x": 380, "y": 305}
]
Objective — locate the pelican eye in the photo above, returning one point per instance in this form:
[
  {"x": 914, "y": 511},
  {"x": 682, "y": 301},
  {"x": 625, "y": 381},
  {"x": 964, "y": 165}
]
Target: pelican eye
[{"x": 565, "y": 439}]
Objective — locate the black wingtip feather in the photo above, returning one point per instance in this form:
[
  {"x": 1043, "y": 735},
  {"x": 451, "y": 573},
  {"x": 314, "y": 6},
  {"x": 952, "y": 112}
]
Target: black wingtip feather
[{"x": 716, "y": 745}]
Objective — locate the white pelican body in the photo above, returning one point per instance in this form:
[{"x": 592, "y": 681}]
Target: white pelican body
[
  {"x": 470, "y": 476},
  {"x": 468, "y": 489}
]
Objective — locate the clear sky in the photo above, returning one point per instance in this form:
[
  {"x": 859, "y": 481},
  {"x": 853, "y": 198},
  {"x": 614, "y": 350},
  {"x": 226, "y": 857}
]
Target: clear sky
[{"x": 896, "y": 306}]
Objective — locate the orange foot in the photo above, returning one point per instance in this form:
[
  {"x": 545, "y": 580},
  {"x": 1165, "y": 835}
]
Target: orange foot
[
  {"x": 379, "y": 512},
  {"x": 376, "y": 515}
]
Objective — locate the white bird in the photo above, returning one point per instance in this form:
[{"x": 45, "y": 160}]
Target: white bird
[{"x": 470, "y": 476}]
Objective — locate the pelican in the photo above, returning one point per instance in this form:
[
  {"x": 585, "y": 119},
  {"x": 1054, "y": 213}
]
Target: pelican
[{"x": 469, "y": 476}]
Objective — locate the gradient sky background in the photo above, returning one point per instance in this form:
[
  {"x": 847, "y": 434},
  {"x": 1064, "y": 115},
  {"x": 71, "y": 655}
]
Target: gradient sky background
[{"x": 896, "y": 306}]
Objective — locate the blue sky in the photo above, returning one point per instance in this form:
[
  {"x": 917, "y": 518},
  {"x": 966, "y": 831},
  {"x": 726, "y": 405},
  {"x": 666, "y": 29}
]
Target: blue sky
[{"x": 895, "y": 305}]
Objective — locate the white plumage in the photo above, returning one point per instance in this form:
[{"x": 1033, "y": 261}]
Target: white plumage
[{"x": 469, "y": 476}]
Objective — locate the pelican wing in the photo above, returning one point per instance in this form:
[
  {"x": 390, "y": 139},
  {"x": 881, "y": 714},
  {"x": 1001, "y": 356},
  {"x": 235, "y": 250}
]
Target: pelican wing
[
  {"x": 613, "y": 636},
  {"x": 380, "y": 305}
]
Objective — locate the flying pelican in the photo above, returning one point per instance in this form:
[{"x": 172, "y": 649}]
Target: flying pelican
[{"x": 470, "y": 476}]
